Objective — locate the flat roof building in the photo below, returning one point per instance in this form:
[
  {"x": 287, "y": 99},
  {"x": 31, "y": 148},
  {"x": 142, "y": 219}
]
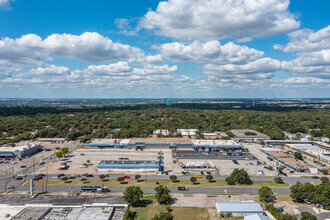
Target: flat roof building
[
  {"x": 21, "y": 149},
  {"x": 249, "y": 135},
  {"x": 256, "y": 217},
  {"x": 216, "y": 145},
  {"x": 160, "y": 143},
  {"x": 130, "y": 165},
  {"x": 107, "y": 143},
  {"x": 164, "y": 132},
  {"x": 239, "y": 208},
  {"x": 288, "y": 160}
]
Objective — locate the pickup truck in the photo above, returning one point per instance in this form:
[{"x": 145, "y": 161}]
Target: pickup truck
[{"x": 183, "y": 188}]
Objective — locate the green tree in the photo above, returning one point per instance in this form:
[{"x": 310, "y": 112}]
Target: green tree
[
  {"x": 193, "y": 179},
  {"x": 241, "y": 176},
  {"x": 59, "y": 154},
  {"x": 325, "y": 171},
  {"x": 102, "y": 177},
  {"x": 298, "y": 156},
  {"x": 307, "y": 216},
  {"x": 173, "y": 178},
  {"x": 137, "y": 177},
  {"x": 65, "y": 150},
  {"x": 230, "y": 181},
  {"x": 133, "y": 195},
  {"x": 324, "y": 179},
  {"x": 129, "y": 215},
  {"x": 278, "y": 180},
  {"x": 88, "y": 162},
  {"x": 163, "y": 216},
  {"x": 120, "y": 179},
  {"x": 266, "y": 194},
  {"x": 163, "y": 195},
  {"x": 65, "y": 178},
  {"x": 209, "y": 178}
]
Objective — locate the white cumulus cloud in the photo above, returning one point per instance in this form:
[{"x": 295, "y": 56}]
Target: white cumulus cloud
[
  {"x": 209, "y": 52},
  {"x": 306, "y": 40},
  {"x": 218, "y": 19}
]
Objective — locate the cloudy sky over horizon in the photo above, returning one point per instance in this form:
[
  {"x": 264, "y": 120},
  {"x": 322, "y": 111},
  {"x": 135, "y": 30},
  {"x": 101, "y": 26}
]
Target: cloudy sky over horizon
[{"x": 159, "y": 49}]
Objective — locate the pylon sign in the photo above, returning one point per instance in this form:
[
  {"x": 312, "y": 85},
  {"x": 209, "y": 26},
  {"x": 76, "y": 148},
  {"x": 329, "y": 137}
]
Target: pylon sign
[{"x": 32, "y": 186}]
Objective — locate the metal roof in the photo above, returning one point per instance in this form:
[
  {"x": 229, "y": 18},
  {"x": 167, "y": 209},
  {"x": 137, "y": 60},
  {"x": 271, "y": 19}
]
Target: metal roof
[
  {"x": 305, "y": 147},
  {"x": 257, "y": 217},
  {"x": 238, "y": 207}
]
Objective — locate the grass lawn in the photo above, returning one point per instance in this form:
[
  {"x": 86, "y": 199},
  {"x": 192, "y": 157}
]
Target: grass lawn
[
  {"x": 154, "y": 208},
  {"x": 187, "y": 195},
  {"x": 152, "y": 183}
]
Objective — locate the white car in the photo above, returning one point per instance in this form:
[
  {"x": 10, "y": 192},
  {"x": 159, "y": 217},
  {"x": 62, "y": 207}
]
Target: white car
[
  {"x": 56, "y": 177},
  {"x": 83, "y": 166},
  {"x": 21, "y": 175}
]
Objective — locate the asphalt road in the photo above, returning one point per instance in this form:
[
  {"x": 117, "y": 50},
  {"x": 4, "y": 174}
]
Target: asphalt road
[
  {"x": 217, "y": 190},
  {"x": 17, "y": 183}
]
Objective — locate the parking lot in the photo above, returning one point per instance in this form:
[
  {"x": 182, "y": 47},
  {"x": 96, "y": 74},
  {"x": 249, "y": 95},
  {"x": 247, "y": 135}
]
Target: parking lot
[
  {"x": 17, "y": 165},
  {"x": 226, "y": 162},
  {"x": 94, "y": 156},
  {"x": 191, "y": 154}
]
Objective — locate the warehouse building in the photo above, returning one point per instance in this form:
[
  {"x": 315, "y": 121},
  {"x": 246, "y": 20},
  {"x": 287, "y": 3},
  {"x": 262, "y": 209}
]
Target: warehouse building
[
  {"x": 160, "y": 143},
  {"x": 249, "y": 135},
  {"x": 107, "y": 143},
  {"x": 100, "y": 211},
  {"x": 239, "y": 208},
  {"x": 53, "y": 140},
  {"x": 130, "y": 165},
  {"x": 20, "y": 150},
  {"x": 256, "y": 217},
  {"x": 288, "y": 160},
  {"x": 312, "y": 152},
  {"x": 190, "y": 133},
  {"x": 216, "y": 145}
]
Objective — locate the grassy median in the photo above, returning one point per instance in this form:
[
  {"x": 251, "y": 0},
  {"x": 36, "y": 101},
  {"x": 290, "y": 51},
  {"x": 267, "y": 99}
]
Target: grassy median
[{"x": 153, "y": 183}]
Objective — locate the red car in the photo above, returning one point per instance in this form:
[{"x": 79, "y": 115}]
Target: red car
[
  {"x": 126, "y": 177},
  {"x": 37, "y": 178}
]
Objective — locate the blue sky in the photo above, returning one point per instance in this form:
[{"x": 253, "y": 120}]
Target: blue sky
[{"x": 154, "y": 49}]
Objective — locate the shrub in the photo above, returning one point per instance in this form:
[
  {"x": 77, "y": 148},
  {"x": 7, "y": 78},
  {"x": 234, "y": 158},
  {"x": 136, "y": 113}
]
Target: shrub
[
  {"x": 325, "y": 171},
  {"x": 324, "y": 179},
  {"x": 120, "y": 179},
  {"x": 65, "y": 178},
  {"x": 83, "y": 180},
  {"x": 193, "y": 180},
  {"x": 230, "y": 181},
  {"x": 173, "y": 178},
  {"x": 209, "y": 178},
  {"x": 137, "y": 177},
  {"x": 278, "y": 180}
]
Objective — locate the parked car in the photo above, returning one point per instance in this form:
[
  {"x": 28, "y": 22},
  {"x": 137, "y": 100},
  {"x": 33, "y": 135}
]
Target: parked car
[
  {"x": 209, "y": 173},
  {"x": 19, "y": 178},
  {"x": 41, "y": 162},
  {"x": 82, "y": 154},
  {"x": 56, "y": 177},
  {"x": 183, "y": 188},
  {"x": 23, "y": 166},
  {"x": 315, "y": 177},
  {"x": 89, "y": 175},
  {"x": 197, "y": 176},
  {"x": 202, "y": 172},
  {"x": 36, "y": 178},
  {"x": 126, "y": 177},
  {"x": 21, "y": 174},
  {"x": 10, "y": 187},
  {"x": 62, "y": 174},
  {"x": 83, "y": 166}
]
